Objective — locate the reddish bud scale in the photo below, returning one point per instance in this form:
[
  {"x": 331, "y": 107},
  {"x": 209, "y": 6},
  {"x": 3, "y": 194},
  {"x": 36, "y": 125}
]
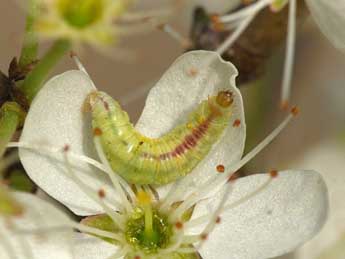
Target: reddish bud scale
[{"x": 137, "y": 257}]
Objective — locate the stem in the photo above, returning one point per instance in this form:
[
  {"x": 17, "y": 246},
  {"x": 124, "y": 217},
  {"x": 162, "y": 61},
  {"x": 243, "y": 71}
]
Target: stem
[
  {"x": 11, "y": 116},
  {"x": 34, "y": 80},
  {"x": 30, "y": 43}
]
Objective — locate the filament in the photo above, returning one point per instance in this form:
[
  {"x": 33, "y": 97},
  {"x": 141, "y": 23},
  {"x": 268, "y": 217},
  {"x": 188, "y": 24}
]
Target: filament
[
  {"x": 74, "y": 156},
  {"x": 235, "y": 35},
  {"x": 113, "y": 176},
  {"x": 290, "y": 53},
  {"x": 174, "y": 34},
  {"x": 246, "y": 11}
]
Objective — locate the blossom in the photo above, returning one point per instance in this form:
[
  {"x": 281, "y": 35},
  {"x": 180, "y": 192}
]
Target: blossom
[
  {"x": 30, "y": 234},
  {"x": 96, "y": 22},
  {"x": 259, "y": 216}
]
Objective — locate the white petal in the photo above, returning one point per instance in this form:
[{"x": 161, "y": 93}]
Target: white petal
[
  {"x": 287, "y": 213},
  {"x": 328, "y": 158},
  {"x": 177, "y": 93},
  {"x": 329, "y": 15},
  {"x": 38, "y": 214},
  {"x": 90, "y": 247},
  {"x": 55, "y": 119}
]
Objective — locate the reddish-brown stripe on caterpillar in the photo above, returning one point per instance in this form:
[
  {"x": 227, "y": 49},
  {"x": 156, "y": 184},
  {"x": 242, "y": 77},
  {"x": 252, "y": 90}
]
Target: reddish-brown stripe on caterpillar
[{"x": 144, "y": 160}]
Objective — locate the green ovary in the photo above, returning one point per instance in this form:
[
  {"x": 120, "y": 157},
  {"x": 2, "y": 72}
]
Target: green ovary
[
  {"x": 81, "y": 13},
  {"x": 148, "y": 241}
]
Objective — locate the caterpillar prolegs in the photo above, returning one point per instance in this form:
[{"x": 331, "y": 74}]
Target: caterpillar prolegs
[{"x": 142, "y": 160}]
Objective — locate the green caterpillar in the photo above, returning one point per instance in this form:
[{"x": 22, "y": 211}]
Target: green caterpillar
[{"x": 142, "y": 160}]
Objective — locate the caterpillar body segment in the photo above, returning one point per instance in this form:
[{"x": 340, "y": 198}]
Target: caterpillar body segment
[{"x": 142, "y": 160}]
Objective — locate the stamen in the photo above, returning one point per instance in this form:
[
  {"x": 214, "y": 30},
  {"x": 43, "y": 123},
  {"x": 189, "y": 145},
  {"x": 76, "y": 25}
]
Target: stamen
[
  {"x": 71, "y": 225},
  {"x": 115, "y": 217},
  {"x": 246, "y": 11},
  {"x": 235, "y": 35},
  {"x": 80, "y": 66},
  {"x": 184, "y": 42},
  {"x": 113, "y": 176},
  {"x": 290, "y": 53},
  {"x": 212, "y": 223},
  {"x": 80, "y": 158},
  {"x": 202, "y": 219}
]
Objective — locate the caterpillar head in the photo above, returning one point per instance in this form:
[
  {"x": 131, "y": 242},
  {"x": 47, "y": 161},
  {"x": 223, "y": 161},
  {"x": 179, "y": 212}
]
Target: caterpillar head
[{"x": 224, "y": 98}]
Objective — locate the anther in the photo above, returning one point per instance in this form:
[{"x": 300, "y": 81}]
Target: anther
[
  {"x": 218, "y": 220},
  {"x": 203, "y": 236},
  {"x": 217, "y": 24},
  {"x": 236, "y": 123},
  {"x": 97, "y": 132},
  {"x": 220, "y": 168},
  {"x": 179, "y": 225},
  {"x": 273, "y": 173},
  {"x": 66, "y": 148},
  {"x": 137, "y": 257},
  {"x": 295, "y": 111},
  {"x": 101, "y": 193},
  {"x": 72, "y": 54}
]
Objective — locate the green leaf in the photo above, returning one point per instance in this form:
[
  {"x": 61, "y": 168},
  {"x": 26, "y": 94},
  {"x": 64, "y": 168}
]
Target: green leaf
[{"x": 18, "y": 180}]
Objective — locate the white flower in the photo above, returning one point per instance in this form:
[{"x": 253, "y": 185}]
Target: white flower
[
  {"x": 31, "y": 234},
  {"x": 260, "y": 216}
]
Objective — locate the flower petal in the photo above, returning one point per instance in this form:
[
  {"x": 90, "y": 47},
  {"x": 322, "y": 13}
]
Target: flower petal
[
  {"x": 55, "y": 119},
  {"x": 279, "y": 218},
  {"x": 329, "y": 15},
  {"x": 191, "y": 79},
  {"x": 90, "y": 247},
  {"x": 38, "y": 215}
]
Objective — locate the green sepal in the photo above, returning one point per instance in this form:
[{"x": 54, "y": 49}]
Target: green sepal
[
  {"x": 19, "y": 181},
  {"x": 102, "y": 222}
]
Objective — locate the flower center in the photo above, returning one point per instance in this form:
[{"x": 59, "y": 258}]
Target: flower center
[
  {"x": 81, "y": 13},
  {"x": 147, "y": 230}
]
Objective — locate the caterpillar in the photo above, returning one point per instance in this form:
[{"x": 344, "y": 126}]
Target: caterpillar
[{"x": 142, "y": 160}]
